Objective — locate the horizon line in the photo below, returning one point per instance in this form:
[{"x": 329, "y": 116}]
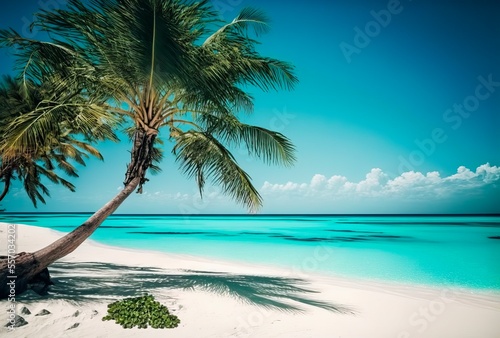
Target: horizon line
[{"x": 253, "y": 215}]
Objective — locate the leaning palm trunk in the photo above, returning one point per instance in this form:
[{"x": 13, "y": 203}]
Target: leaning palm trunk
[
  {"x": 141, "y": 157},
  {"x": 28, "y": 265}
]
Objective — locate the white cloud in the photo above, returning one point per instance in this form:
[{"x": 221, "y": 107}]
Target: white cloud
[
  {"x": 318, "y": 181},
  {"x": 180, "y": 196},
  {"x": 377, "y": 183},
  {"x": 336, "y": 182},
  {"x": 463, "y": 173},
  {"x": 488, "y": 173},
  {"x": 374, "y": 182},
  {"x": 289, "y": 186}
]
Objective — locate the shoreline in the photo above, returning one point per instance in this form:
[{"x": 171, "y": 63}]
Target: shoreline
[
  {"x": 374, "y": 308},
  {"x": 273, "y": 268}
]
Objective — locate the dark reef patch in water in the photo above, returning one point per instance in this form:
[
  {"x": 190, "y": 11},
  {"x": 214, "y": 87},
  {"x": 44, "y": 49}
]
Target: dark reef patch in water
[
  {"x": 305, "y": 220},
  {"x": 267, "y": 234},
  {"x": 120, "y": 227},
  {"x": 171, "y": 232},
  {"x": 183, "y": 233},
  {"x": 482, "y": 224},
  {"x": 359, "y": 238},
  {"x": 14, "y": 220},
  {"x": 281, "y": 236},
  {"x": 141, "y": 219},
  {"x": 356, "y": 231},
  {"x": 389, "y": 236},
  {"x": 254, "y": 233},
  {"x": 310, "y": 239},
  {"x": 324, "y": 239}
]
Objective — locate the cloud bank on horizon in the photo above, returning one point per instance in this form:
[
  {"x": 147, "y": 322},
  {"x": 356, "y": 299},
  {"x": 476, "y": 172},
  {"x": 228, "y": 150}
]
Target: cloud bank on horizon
[
  {"x": 466, "y": 191},
  {"x": 411, "y": 184}
]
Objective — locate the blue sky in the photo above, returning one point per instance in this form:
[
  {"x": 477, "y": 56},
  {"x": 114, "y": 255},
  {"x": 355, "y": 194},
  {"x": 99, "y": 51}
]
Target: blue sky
[{"x": 397, "y": 111}]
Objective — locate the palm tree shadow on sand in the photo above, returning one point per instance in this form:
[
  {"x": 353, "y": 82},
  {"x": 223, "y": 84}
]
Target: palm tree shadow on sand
[{"x": 79, "y": 282}]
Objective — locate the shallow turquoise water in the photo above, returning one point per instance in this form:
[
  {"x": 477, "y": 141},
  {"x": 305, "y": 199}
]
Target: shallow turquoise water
[{"x": 462, "y": 251}]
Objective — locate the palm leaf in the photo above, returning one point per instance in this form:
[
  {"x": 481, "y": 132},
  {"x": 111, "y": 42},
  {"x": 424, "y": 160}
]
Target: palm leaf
[
  {"x": 200, "y": 155},
  {"x": 272, "y": 147}
]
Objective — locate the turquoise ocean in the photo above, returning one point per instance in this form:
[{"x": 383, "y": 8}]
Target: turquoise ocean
[{"x": 456, "y": 251}]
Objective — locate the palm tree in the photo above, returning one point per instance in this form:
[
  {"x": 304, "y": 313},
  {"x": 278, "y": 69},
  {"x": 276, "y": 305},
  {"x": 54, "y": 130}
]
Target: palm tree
[
  {"x": 161, "y": 65},
  {"x": 55, "y": 149}
]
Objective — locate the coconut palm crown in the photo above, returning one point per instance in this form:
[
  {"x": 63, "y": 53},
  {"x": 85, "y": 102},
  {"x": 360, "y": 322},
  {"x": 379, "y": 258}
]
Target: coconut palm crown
[{"x": 171, "y": 64}]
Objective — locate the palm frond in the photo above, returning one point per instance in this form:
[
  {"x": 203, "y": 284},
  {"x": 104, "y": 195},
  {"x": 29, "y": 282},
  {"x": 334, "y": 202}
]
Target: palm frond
[
  {"x": 273, "y": 147},
  {"x": 270, "y": 146},
  {"x": 87, "y": 148},
  {"x": 40, "y": 134},
  {"x": 64, "y": 165},
  {"x": 248, "y": 18},
  {"x": 33, "y": 186},
  {"x": 200, "y": 155}
]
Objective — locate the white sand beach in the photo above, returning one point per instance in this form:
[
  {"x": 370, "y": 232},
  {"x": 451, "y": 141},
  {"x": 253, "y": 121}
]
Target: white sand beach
[{"x": 203, "y": 294}]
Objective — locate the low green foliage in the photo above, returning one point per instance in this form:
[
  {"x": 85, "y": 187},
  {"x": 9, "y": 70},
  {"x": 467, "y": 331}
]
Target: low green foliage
[{"x": 141, "y": 312}]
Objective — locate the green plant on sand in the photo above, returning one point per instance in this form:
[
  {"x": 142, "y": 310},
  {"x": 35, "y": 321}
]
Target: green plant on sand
[{"x": 141, "y": 311}]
